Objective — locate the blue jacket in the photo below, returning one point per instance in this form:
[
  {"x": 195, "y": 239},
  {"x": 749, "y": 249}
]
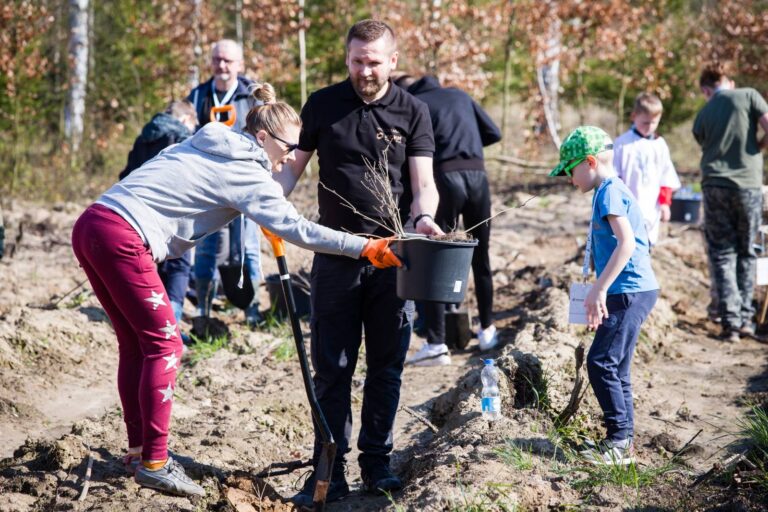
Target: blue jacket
[{"x": 202, "y": 99}]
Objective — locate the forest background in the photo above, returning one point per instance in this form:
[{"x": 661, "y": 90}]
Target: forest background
[{"x": 79, "y": 78}]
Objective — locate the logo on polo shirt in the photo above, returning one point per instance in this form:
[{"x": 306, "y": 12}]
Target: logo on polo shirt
[{"x": 394, "y": 136}]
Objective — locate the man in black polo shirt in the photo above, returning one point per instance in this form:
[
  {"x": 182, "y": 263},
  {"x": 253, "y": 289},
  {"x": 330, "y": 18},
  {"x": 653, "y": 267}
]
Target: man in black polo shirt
[{"x": 346, "y": 123}]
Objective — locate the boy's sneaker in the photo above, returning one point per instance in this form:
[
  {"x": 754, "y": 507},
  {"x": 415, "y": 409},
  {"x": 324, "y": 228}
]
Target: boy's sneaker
[
  {"x": 336, "y": 490},
  {"x": 170, "y": 478},
  {"x": 379, "y": 479},
  {"x": 131, "y": 462},
  {"x": 617, "y": 453},
  {"x": 430, "y": 355},
  {"x": 488, "y": 338}
]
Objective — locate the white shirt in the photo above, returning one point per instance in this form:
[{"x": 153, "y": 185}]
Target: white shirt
[{"x": 645, "y": 166}]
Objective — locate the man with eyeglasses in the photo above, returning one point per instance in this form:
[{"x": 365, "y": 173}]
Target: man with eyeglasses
[
  {"x": 365, "y": 117},
  {"x": 226, "y": 98}
]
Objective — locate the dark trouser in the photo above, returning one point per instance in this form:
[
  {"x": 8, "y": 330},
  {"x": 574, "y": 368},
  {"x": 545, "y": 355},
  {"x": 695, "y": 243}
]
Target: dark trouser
[
  {"x": 731, "y": 221},
  {"x": 466, "y": 194},
  {"x": 175, "y": 276},
  {"x": 349, "y": 298},
  {"x": 610, "y": 358}
]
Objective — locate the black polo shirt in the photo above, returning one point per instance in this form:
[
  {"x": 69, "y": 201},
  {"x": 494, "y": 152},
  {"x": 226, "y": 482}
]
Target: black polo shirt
[{"x": 344, "y": 130}]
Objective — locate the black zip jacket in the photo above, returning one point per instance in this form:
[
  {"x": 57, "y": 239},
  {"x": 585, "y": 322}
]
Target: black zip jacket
[
  {"x": 461, "y": 126},
  {"x": 162, "y": 131}
]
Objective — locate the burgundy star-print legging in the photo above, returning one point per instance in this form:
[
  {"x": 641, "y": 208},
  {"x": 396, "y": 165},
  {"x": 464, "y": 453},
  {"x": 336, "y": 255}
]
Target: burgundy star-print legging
[{"x": 125, "y": 280}]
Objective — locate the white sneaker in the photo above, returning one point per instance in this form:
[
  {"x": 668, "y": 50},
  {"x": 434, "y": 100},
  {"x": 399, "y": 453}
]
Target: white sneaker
[
  {"x": 431, "y": 355},
  {"x": 615, "y": 453},
  {"x": 488, "y": 338}
]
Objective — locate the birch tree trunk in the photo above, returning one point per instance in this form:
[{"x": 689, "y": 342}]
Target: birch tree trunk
[
  {"x": 197, "y": 47},
  {"x": 548, "y": 73},
  {"x": 302, "y": 54},
  {"x": 78, "y": 79}
]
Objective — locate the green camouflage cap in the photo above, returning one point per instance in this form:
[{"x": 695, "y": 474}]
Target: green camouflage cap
[{"x": 581, "y": 142}]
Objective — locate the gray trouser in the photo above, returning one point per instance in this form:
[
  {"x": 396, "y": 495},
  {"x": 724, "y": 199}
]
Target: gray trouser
[{"x": 731, "y": 221}]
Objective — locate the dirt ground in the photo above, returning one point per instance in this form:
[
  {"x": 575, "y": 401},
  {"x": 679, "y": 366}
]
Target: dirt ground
[{"x": 243, "y": 407}]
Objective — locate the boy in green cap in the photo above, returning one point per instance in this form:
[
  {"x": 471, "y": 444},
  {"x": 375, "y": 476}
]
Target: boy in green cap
[{"x": 625, "y": 291}]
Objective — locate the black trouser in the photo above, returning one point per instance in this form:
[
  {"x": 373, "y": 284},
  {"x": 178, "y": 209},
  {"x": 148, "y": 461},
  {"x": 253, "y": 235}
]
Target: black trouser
[
  {"x": 351, "y": 298},
  {"x": 465, "y": 193}
]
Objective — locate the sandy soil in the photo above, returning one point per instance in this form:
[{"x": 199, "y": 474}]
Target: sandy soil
[{"x": 244, "y": 407}]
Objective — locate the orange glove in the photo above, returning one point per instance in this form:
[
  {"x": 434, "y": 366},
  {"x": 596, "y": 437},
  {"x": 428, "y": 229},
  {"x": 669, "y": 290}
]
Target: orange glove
[{"x": 380, "y": 255}]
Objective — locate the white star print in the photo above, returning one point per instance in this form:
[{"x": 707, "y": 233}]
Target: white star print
[
  {"x": 156, "y": 300},
  {"x": 167, "y": 393},
  {"x": 172, "y": 360},
  {"x": 169, "y": 329}
]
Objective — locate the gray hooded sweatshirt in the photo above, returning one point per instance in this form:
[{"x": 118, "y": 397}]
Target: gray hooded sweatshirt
[{"x": 195, "y": 188}]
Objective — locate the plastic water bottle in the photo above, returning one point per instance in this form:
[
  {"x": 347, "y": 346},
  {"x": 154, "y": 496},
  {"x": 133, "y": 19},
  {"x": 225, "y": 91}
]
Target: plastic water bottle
[{"x": 491, "y": 400}]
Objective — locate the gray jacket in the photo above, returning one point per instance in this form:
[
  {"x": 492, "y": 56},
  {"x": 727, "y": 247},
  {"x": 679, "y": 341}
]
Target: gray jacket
[{"x": 193, "y": 189}]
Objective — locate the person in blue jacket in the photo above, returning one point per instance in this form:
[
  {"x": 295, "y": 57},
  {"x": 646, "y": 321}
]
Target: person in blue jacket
[{"x": 229, "y": 91}]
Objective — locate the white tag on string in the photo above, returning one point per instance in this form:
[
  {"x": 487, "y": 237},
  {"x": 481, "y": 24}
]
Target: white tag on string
[{"x": 577, "y": 312}]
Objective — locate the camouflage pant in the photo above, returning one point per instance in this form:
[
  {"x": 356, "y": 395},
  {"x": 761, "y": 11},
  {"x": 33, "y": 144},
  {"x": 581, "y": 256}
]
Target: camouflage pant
[{"x": 731, "y": 221}]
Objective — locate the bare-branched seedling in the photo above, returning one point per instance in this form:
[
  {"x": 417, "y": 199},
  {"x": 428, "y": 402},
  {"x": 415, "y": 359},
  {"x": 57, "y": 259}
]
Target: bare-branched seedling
[{"x": 377, "y": 181}]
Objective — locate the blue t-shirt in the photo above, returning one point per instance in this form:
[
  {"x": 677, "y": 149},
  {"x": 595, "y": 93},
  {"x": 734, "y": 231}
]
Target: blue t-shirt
[{"x": 613, "y": 197}]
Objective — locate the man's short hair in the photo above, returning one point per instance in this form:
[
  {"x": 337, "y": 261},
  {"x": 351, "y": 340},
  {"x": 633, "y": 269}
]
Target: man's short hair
[
  {"x": 371, "y": 30},
  {"x": 180, "y": 108},
  {"x": 713, "y": 73},
  {"x": 647, "y": 103},
  {"x": 228, "y": 42}
]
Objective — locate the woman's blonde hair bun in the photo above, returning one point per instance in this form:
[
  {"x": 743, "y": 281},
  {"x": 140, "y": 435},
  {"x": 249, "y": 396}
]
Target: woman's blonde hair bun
[{"x": 264, "y": 92}]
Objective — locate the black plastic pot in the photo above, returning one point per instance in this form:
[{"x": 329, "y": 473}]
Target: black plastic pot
[
  {"x": 685, "y": 210},
  {"x": 434, "y": 270},
  {"x": 240, "y": 297},
  {"x": 277, "y": 298}
]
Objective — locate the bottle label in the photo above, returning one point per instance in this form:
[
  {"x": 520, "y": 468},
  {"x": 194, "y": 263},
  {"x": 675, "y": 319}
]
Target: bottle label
[{"x": 491, "y": 404}]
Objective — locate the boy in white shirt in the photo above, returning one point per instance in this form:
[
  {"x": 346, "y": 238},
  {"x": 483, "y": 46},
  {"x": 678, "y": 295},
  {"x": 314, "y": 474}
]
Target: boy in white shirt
[{"x": 643, "y": 162}]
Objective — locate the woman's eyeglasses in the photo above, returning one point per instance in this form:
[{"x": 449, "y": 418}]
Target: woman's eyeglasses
[{"x": 289, "y": 146}]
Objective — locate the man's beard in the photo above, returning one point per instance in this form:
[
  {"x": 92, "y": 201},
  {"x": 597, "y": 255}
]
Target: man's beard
[{"x": 368, "y": 88}]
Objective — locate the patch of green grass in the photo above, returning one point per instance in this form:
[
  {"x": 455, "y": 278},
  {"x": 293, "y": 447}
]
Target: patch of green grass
[
  {"x": 276, "y": 325},
  {"x": 285, "y": 351},
  {"x": 78, "y": 299},
  {"x": 540, "y": 390},
  {"x": 633, "y": 475},
  {"x": 204, "y": 348},
  {"x": 514, "y": 455},
  {"x": 754, "y": 427}
]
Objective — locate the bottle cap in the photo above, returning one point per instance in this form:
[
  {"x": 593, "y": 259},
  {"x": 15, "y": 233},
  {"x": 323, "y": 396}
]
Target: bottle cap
[{"x": 488, "y": 361}]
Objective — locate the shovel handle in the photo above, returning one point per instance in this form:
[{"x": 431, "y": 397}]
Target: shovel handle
[
  {"x": 229, "y": 109},
  {"x": 278, "y": 247}
]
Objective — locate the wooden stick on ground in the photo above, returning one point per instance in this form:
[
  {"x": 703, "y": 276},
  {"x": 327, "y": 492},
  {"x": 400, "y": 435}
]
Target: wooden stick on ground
[
  {"x": 576, "y": 395},
  {"x": 87, "y": 477},
  {"x": 408, "y": 410},
  {"x": 763, "y": 308},
  {"x": 419, "y": 417},
  {"x": 686, "y": 445},
  {"x": 720, "y": 467}
]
